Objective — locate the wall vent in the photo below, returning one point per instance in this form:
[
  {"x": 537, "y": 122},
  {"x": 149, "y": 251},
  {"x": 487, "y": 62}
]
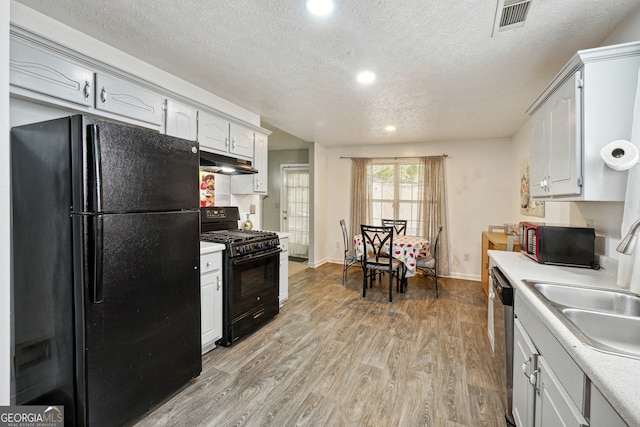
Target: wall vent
[{"x": 510, "y": 14}]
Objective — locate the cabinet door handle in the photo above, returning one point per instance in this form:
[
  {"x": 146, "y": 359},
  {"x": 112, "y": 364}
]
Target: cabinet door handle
[
  {"x": 218, "y": 284},
  {"x": 226, "y": 142},
  {"x": 87, "y": 89},
  {"x": 233, "y": 143},
  {"x": 103, "y": 95}
]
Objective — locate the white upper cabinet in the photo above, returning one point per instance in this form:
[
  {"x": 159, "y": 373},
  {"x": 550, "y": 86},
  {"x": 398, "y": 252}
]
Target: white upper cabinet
[
  {"x": 128, "y": 99},
  {"x": 39, "y": 70},
  {"x": 261, "y": 163},
  {"x": 241, "y": 141},
  {"x": 586, "y": 106},
  {"x": 213, "y": 132},
  {"x": 556, "y": 168},
  {"x": 181, "y": 120},
  {"x": 255, "y": 183}
]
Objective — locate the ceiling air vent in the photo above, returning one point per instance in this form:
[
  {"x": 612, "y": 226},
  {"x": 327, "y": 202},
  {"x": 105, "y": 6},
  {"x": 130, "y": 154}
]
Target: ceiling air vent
[{"x": 510, "y": 14}]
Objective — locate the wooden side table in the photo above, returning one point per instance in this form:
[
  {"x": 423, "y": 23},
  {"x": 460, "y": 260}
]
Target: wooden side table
[{"x": 492, "y": 241}]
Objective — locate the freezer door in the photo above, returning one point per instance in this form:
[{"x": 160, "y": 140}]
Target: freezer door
[
  {"x": 125, "y": 169},
  {"x": 141, "y": 309}
]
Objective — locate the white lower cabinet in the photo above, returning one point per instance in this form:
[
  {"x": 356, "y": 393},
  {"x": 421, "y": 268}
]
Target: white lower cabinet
[
  {"x": 549, "y": 388},
  {"x": 284, "y": 270},
  {"x": 211, "y": 298},
  {"x": 525, "y": 359},
  {"x": 602, "y": 414},
  {"x": 554, "y": 407}
]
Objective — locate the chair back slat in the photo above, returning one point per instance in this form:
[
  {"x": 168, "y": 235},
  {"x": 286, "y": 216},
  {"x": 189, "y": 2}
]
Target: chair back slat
[
  {"x": 375, "y": 239},
  {"x": 345, "y": 235},
  {"x": 399, "y": 225}
]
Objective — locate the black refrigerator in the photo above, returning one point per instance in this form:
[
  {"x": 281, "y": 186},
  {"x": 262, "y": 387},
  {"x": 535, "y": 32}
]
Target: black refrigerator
[{"x": 105, "y": 249}]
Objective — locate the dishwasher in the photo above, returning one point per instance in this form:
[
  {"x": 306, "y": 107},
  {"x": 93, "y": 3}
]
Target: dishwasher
[{"x": 503, "y": 324}]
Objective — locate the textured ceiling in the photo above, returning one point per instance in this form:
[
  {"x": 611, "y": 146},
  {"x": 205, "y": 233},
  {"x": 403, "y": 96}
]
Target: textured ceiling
[{"x": 440, "y": 73}]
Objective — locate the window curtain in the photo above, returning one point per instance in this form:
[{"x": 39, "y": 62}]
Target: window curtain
[
  {"x": 360, "y": 193},
  {"x": 434, "y": 208}
]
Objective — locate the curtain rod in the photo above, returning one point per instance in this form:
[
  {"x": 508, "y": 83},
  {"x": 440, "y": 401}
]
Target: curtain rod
[{"x": 394, "y": 158}]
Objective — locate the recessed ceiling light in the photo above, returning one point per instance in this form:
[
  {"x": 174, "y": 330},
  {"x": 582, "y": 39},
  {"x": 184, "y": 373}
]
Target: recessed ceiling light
[
  {"x": 390, "y": 128},
  {"x": 366, "y": 77},
  {"x": 319, "y": 7}
]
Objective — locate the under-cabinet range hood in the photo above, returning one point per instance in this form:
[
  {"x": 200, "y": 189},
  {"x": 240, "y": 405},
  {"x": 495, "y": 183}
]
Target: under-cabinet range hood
[{"x": 218, "y": 163}]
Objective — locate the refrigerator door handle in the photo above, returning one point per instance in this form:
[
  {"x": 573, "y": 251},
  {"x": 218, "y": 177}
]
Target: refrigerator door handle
[
  {"x": 97, "y": 294},
  {"x": 95, "y": 167}
]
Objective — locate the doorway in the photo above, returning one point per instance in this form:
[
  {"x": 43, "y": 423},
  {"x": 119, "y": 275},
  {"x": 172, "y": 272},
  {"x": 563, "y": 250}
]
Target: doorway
[{"x": 294, "y": 211}]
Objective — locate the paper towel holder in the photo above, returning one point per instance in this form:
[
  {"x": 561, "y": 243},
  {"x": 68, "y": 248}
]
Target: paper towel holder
[{"x": 620, "y": 155}]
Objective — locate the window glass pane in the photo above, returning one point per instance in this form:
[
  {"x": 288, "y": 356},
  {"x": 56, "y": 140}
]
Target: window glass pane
[{"x": 395, "y": 193}]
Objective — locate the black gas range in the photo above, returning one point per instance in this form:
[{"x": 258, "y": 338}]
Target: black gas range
[{"x": 250, "y": 271}]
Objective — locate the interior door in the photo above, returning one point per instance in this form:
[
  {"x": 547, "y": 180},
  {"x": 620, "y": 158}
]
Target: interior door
[{"x": 295, "y": 208}]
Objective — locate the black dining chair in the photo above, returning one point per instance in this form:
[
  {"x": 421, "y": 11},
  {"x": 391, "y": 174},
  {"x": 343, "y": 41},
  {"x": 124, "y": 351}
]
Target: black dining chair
[
  {"x": 399, "y": 225},
  {"x": 350, "y": 257},
  {"x": 374, "y": 239},
  {"x": 429, "y": 265}
]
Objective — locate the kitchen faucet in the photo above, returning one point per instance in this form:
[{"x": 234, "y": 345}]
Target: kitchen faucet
[{"x": 627, "y": 244}]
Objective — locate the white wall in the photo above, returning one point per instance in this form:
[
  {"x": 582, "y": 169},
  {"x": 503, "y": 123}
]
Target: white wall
[
  {"x": 479, "y": 184},
  {"x": 321, "y": 194},
  {"x": 628, "y": 31},
  {"x": 271, "y": 204},
  {"x": 5, "y": 204}
]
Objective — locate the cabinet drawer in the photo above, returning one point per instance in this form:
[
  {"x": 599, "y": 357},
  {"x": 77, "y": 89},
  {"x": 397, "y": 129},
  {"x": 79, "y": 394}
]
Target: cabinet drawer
[{"x": 210, "y": 262}]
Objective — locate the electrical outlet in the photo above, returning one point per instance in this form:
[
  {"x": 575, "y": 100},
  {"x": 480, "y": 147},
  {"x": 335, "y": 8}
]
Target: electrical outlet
[
  {"x": 590, "y": 223},
  {"x": 467, "y": 257},
  {"x": 252, "y": 209}
]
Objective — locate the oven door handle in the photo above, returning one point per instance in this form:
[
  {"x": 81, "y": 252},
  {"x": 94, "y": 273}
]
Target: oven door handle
[{"x": 252, "y": 257}]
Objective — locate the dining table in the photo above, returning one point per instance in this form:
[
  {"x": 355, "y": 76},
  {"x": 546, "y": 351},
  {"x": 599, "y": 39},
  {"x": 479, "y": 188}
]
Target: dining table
[{"x": 406, "y": 249}]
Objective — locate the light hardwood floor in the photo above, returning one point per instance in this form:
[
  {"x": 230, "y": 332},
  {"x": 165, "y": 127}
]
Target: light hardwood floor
[{"x": 333, "y": 358}]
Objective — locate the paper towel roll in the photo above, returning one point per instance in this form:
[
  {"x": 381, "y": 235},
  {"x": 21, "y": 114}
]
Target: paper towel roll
[{"x": 620, "y": 155}]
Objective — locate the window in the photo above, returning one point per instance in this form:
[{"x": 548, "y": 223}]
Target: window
[{"x": 395, "y": 192}]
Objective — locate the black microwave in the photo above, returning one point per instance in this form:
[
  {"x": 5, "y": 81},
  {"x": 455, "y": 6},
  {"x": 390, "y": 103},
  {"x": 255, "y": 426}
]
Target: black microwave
[{"x": 559, "y": 245}]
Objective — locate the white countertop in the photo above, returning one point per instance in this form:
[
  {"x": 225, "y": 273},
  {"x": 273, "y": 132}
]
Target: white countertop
[
  {"x": 282, "y": 234},
  {"x": 208, "y": 247},
  {"x": 617, "y": 377}
]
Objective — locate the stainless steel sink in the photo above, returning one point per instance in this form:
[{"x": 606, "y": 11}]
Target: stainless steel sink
[
  {"x": 607, "y": 320},
  {"x": 607, "y": 300},
  {"x": 607, "y": 332}
]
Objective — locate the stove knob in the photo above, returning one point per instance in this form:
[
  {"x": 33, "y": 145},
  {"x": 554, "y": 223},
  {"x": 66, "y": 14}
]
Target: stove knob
[
  {"x": 259, "y": 245},
  {"x": 239, "y": 250},
  {"x": 270, "y": 243}
]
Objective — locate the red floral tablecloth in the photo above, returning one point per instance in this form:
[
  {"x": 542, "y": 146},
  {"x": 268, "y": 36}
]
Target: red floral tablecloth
[{"x": 405, "y": 249}]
